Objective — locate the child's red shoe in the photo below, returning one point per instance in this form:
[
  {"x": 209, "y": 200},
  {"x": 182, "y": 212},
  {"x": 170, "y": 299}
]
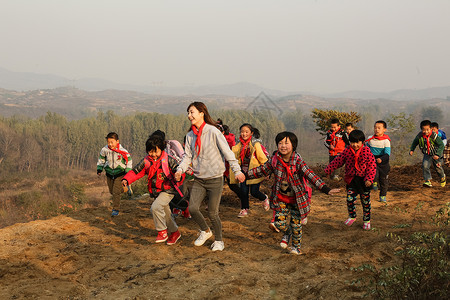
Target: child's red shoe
[
  {"x": 162, "y": 236},
  {"x": 173, "y": 238}
]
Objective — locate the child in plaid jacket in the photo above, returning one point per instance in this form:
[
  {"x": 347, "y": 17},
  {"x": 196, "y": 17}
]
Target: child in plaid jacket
[{"x": 289, "y": 194}]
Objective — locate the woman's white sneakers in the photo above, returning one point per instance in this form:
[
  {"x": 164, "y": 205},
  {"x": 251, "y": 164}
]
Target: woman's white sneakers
[
  {"x": 203, "y": 237},
  {"x": 217, "y": 246}
]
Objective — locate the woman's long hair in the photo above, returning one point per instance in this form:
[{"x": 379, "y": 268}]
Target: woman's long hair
[{"x": 201, "y": 107}]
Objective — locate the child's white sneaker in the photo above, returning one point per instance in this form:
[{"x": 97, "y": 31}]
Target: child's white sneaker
[
  {"x": 295, "y": 251},
  {"x": 203, "y": 237},
  {"x": 217, "y": 246},
  {"x": 285, "y": 241}
]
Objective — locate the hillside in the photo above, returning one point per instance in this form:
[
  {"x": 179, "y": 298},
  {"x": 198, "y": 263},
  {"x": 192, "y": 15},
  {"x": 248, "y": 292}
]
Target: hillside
[
  {"x": 87, "y": 254},
  {"x": 75, "y": 103}
]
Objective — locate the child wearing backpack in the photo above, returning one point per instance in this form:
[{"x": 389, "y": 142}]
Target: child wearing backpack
[
  {"x": 360, "y": 170},
  {"x": 290, "y": 194},
  {"x": 250, "y": 155},
  {"x": 160, "y": 168},
  {"x": 432, "y": 148},
  {"x": 335, "y": 142},
  {"x": 116, "y": 161}
]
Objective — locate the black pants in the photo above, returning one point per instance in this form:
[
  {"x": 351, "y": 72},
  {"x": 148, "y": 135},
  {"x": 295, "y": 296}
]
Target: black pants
[{"x": 382, "y": 178}]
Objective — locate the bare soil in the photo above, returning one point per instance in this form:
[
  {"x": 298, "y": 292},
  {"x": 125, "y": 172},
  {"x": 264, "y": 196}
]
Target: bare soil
[{"x": 87, "y": 254}]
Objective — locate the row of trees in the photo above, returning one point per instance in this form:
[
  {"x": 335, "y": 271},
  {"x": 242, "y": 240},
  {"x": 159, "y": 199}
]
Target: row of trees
[{"x": 53, "y": 142}]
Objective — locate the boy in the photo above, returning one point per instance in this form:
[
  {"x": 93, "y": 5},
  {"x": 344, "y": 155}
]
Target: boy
[
  {"x": 290, "y": 191},
  {"x": 360, "y": 170},
  {"x": 439, "y": 132},
  {"x": 380, "y": 145},
  {"x": 335, "y": 142},
  {"x": 348, "y": 129},
  {"x": 432, "y": 148},
  {"x": 159, "y": 167},
  {"x": 117, "y": 162}
]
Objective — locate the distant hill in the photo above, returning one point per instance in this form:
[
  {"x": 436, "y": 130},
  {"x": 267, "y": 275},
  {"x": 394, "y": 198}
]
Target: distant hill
[{"x": 24, "y": 81}]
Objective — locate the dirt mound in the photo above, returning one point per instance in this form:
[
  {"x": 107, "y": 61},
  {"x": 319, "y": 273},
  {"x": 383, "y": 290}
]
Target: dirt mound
[{"x": 88, "y": 254}]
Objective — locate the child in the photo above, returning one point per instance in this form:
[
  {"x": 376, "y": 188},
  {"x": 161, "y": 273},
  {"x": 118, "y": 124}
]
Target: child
[
  {"x": 290, "y": 194},
  {"x": 360, "y": 170},
  {"x": 348, "y": 128},
  {"x": 380, "y": 145},
  {"x": 432, "y": 148},
  {"x": 159, "y": 167},
  {"x": 335, "y": 142},
  {"x": 249, "y": 155},
  {"x": 447, "y": 154},
  {"x": 439, "y": 132},
  {"x": 116, "y": 161}
]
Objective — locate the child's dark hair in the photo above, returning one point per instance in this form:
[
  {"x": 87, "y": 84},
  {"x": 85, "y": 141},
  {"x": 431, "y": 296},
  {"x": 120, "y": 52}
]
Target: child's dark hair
[
  {"x": 349, "y": 124},
  {"x": 425, "y": 123},
  {"x": 219, "y": 122},
  {"x": 153, "y": 141},
  {"x": 356, "y": 136},
  {"x": 334, "y": 121},
  {"x": 286, "y": 134},
  {"x": 247, "y": 125},
  {"x": 159, "y": 133},
  {"x": 112, "y": 135},
  {"x": 256, "y": 133},
  {"x": 382, "y": 123},
  {"x": 226, "y": 129},
  {"x": 434, "y": 125}
]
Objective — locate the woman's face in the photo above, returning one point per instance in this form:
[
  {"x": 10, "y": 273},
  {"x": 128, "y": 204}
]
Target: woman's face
[
  {"x": 246, "y": 133},
  {"x": 196, "y": 117}
]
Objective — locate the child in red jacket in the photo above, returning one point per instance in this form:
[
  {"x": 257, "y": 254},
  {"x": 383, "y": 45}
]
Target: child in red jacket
[
  {"x": 335, "y": 142},
  {"x": 360, "y": 170},
  {"x": 159, "y": 167}
]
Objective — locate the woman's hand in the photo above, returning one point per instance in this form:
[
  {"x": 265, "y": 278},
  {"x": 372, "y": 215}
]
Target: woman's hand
[{"x": 240, "y": 177}]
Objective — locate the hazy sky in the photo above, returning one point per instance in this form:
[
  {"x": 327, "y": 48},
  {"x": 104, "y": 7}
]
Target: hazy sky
[{"x": 302, "y": 45}]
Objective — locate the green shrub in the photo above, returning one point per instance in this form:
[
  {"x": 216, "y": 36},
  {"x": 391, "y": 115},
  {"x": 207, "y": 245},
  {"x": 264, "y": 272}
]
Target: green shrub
[{"x": 423, "y": 271}]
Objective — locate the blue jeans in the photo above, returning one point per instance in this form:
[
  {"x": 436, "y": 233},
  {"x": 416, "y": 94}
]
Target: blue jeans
[
  {"x": 426, "y": 165},
  {"x": 254, "y": 190}
]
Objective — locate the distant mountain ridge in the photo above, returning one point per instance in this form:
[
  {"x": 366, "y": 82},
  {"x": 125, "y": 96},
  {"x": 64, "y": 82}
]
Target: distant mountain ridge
[{"x": 26, "y": 81}]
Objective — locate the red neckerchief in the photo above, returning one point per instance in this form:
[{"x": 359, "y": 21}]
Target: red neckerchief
[
  {"x": 427, "y": 138},
  {"x": 357, "y": 153},
  {"x": 333, "y": 134},
  {"x": 288, "y": 170},
  {"x": 383, "y": 137},
  {"x": 124, "y": 154},
  {"x": 198, "y": 133},
  {"x": 244, "y": 147},
  {"x": 155, "y": 164}
]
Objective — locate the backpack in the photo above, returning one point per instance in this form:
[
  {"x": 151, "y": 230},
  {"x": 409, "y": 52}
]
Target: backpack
[
  {"x": 174, "y": 149},
  {"x": 308, "y": 188}
]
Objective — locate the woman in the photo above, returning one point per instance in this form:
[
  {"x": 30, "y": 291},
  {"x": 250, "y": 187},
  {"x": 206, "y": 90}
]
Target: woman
[{"x": 205, "y": 148}]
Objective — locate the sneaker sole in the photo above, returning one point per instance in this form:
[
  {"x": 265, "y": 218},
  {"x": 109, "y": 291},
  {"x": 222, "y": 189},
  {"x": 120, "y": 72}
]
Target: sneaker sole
[
  {"x": 283, "y": 245},
  {"x": 273, "y": 228},
  {"x": 161, "y": 241}
]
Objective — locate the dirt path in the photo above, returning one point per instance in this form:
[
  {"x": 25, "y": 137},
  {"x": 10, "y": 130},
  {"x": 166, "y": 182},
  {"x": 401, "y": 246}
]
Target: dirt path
[{"x": 88, "y": 254}]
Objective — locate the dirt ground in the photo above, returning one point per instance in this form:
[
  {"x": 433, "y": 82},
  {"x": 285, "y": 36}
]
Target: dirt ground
[{"x": 87, "y": 254}]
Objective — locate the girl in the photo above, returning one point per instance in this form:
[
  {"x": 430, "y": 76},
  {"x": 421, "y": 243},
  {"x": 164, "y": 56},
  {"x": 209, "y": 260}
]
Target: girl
[
  {"x": 290, "y": 191},
  {"x": 159, "y": 167},
  {"x": 250, "y": 155},
  {"x": 360, "y": 170},
  {"x": 205, "y": 148}
]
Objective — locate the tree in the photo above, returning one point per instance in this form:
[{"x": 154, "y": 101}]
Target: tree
[
  {"x": 400, "y": 128},
  {"x": 322, "y": 118},
  {"x": 432, "y": 113}
]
